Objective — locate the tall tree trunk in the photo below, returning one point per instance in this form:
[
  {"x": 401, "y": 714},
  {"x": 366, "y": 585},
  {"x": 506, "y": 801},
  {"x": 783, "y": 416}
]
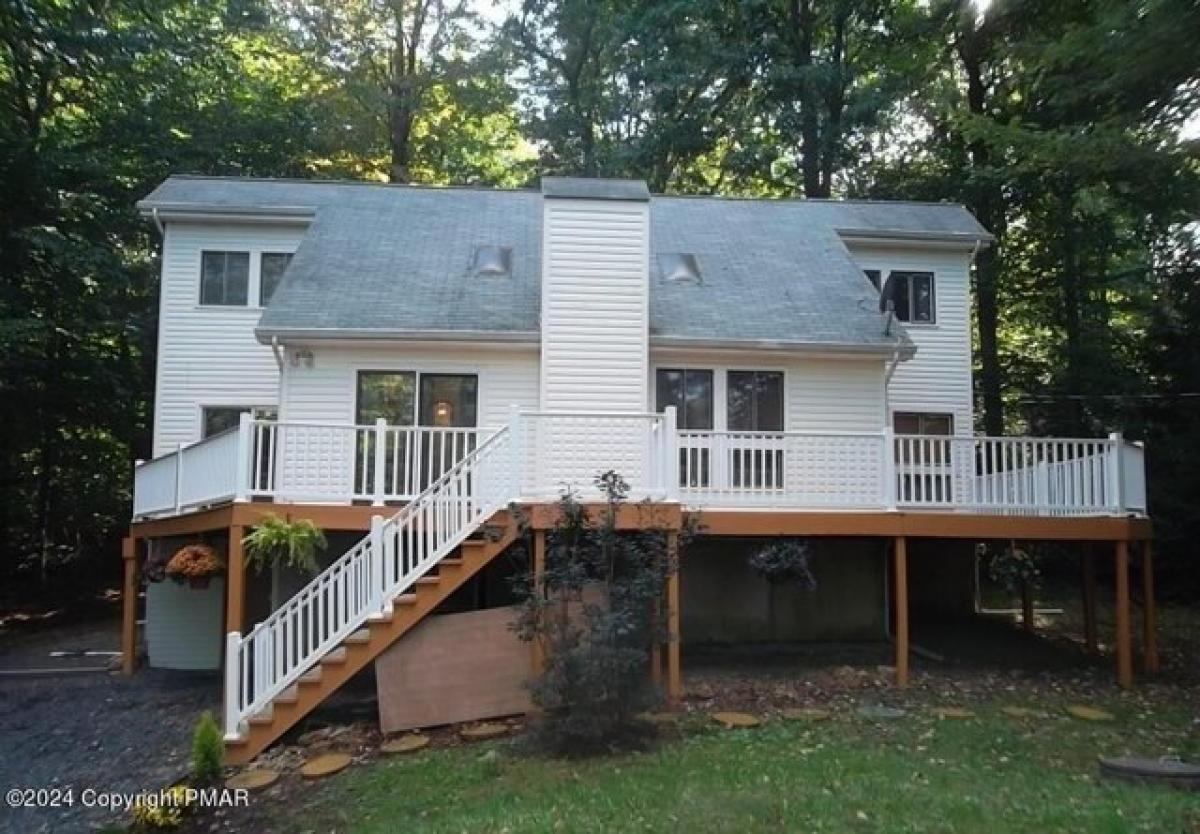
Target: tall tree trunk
[
  {"x": 1072, "y": 299},
  {"x": 987, "y": 202},
  {"x": 801, "y": 15}
]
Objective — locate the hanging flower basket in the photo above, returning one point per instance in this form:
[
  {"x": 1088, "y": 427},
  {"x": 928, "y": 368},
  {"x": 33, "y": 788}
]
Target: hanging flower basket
[{"x": 195, "y": 565}]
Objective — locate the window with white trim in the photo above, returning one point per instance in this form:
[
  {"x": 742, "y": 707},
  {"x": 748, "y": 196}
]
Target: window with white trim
[
  {"x": 224, "y": 279},
  {"x": 270, "y": 273},
  {"x": 912, "y": 296}
]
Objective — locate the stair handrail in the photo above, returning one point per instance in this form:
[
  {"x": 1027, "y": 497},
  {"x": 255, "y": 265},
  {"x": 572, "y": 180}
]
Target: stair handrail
[{"x": 237, "y": 689}]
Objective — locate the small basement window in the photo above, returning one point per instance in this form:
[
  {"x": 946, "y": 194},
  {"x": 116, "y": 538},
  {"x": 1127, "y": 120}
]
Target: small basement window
[
  {"x": 679, "y": 267},
  {"x": 492, "y": 261}
]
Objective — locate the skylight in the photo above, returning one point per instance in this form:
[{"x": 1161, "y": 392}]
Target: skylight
[
  {"x": 679, "y": 267},
  {"x": 492, "y": 261}
]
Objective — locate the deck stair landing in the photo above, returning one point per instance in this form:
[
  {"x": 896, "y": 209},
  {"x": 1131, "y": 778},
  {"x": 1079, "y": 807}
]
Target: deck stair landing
[{"x": 367, "y": 599}]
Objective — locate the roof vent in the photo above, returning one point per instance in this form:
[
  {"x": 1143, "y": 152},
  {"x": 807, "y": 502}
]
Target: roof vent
[
  {"x": 492, "y": 261},
  {"x": 679, "y": 267}
]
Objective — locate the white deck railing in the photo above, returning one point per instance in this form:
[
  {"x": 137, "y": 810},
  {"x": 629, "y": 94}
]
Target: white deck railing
[
  {"x": 325, "y": 463},
  {"x": 878, "y": 470}
]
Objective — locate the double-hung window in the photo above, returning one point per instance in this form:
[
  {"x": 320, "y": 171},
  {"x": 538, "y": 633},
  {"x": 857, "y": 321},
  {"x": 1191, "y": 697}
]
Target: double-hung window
[
  {"x": 224, "y": 279},
  {"x": 911, "y": 293},
  {"x": 270, "y": 273}
]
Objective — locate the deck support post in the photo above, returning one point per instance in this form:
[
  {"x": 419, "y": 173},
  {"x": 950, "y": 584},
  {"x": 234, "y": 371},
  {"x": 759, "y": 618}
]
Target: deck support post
[
  {"x": 900, "y": 576},
  {"x": 129, "y": 590},
  {"x": 235, "y": 582},
  {"x": 1088, "y": 570},
  {"x": 1149, "y": 612},
  {"x": 1027, "y": 615},
  {"x": 1124, "y": 638},
  {"x": 674, "y": 670},
  {"x": 538, "y": 659}
]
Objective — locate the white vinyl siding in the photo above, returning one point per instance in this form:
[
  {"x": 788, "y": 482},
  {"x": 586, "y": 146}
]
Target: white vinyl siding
[
  {"x": 819, "y": 394},
  {"x": 595, "y": 305},
  {"x": 208, "y": 355},
  {"x": 325, "y": 393},
  {"x": 938, "y": 379}
]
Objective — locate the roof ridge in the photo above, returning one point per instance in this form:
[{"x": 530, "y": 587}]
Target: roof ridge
[{"x": 416, "y": 186}]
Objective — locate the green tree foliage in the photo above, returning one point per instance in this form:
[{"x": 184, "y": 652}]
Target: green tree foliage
[{"x": 1057, "y": 122}]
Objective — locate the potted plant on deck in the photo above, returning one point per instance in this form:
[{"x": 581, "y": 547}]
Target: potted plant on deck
[
  {"x": 279, "y": 544},
  {"x": 194, "y": 564}
]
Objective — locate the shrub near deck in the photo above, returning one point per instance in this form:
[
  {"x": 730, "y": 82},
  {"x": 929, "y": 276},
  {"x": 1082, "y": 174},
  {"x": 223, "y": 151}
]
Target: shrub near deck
[{"x": 988, "y": 774}]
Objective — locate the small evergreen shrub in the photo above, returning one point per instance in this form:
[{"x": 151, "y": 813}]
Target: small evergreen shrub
[
  {"x": 208, "y": 749},
  {"x": 597, "y": 613}
]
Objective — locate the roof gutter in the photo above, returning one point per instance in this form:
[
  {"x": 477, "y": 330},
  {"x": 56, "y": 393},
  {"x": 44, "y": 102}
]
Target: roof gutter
[
  {"x": 212, "y": 212},
  {"x": 907, "y": 349},
  {"x": 973, "y": 240},
  {"x": 268, "y": 335}
]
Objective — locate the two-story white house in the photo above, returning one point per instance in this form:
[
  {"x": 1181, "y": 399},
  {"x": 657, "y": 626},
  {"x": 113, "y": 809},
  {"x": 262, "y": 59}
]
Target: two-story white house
[{"x": 402, "y": 364}]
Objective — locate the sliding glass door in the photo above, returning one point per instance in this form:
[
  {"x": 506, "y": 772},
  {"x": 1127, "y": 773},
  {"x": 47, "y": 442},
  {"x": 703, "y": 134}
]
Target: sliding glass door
[{"x": 438, "y": 410}]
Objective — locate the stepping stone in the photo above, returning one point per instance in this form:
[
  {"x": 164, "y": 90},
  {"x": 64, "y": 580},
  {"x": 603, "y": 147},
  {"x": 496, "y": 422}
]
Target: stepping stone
[
  {"x": 1171, "y": 772},
  {"x": 1020, "y": 712},
  {"x": 1089, "y": 713},
  {"x": 404, "y": 744},
  {"x": 880, "y": 713},
  {"x": 953, "y": 712},
  {"x": 806, "y": 714},
  {"x": 325, "y": 765},
  {"x": 252, "y": 780},
  {"x": 732, "y": 720},
  {"x": 480, "y": 732}
]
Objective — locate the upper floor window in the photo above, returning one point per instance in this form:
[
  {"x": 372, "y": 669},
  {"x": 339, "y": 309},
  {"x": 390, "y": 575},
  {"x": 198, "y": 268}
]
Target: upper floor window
[
  {"x": 225, "y": 279},
  {"x": 911, "y": 294},
  {"x": 272, "y": 266}
]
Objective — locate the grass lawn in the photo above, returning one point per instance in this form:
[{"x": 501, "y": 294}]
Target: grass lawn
[{"x": 991, "y": 773}]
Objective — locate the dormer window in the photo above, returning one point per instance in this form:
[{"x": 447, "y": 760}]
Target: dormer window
[
  {"x": 911, "y": 295},
  {"x": 492, "y": 261},
  {"x": 679, "y": 267}
]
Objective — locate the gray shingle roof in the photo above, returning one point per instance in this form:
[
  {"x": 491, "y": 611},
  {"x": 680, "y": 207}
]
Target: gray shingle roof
[{"x": 392, "y": 260}]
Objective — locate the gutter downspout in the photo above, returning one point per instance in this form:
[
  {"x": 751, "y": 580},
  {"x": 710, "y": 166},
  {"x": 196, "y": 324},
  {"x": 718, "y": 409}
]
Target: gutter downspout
[
  {"x": 887, "y": 384},
  {"x": 278, "y": 352},
  {"x": 162, "y": 229}
]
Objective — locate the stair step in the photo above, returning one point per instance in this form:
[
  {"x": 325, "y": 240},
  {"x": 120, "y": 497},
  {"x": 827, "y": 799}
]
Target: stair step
[
  {"x": 406, "y": 599},
  {"x": 335, "y": 657},
  {"x": 311, "y": 676},
  {"x": 265, "y": 716},
  {"x": 288, "y": 696},
  {"x": 474, "y": 545},
  {"x": 382, "y": 618},
  {"x": 363, "y": 635},
  {"x": 451, "y": 562},
  {"x": 428, "y": 580}
]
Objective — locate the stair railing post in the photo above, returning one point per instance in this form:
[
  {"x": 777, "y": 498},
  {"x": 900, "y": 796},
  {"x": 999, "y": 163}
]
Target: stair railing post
[
  {"x": 233, "y": 668},
  {"x": 670, "y": 453},
  {"x": 517, "y": 442},
  {"x": 1116, "y": 445},
  {"x": 380, "y": 447},
  {"x": 377, "y": 563},
  {"x": 889, "y": 468},
  {"x": 245, "y": 463}
]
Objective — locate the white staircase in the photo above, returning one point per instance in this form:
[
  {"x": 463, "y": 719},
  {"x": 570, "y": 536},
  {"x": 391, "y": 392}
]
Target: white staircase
[{"x": 263, "y": 667}]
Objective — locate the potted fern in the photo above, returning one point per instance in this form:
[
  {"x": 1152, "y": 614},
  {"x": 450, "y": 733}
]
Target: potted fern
[{"x": 283, "y": 545}]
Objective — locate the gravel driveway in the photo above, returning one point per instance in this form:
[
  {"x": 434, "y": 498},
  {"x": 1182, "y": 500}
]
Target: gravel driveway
[{"x": 90, "y": 730}]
